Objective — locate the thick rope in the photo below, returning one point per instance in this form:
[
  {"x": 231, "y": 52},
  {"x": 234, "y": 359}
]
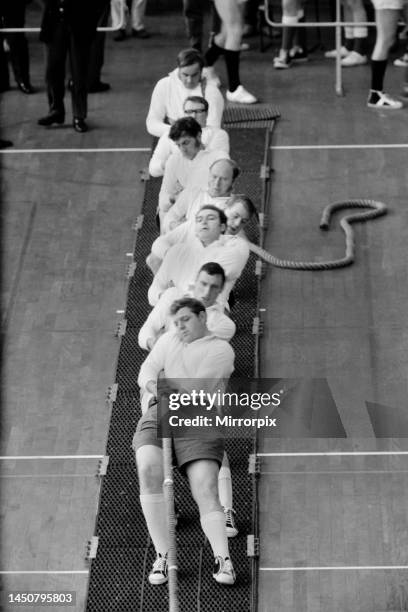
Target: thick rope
[
  {"x": 377, "y": 209},
  {"x": 169, "y": 499}
]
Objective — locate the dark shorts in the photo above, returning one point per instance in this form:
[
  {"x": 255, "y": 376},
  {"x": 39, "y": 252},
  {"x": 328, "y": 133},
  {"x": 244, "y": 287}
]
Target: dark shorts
[{"x": 185, "y": 450}]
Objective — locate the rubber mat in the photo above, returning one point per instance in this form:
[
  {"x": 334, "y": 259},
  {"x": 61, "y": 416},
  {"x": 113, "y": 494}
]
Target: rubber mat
[
  {"x": 118, "y": 573},
  {"x": 243, "y": 114}
]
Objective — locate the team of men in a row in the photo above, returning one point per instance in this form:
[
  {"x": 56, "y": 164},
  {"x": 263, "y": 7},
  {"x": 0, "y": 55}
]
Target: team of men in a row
[{"x": 200, "y": 253}]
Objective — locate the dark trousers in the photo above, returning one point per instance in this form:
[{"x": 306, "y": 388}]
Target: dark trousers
[
  {"x": 63, "y": 43},
  {"x": 98, "y": 49},
  {"x": 4, "y": 74},
  {"x": 13, "y": 13},
  {"x": 193, "y": 11}
]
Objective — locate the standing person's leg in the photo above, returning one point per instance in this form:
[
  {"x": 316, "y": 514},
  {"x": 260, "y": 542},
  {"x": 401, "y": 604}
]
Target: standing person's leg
[
  {"x": 14, "y": 17},
  {"x": 250, "y": 17},
  {"x": 230, "y": 37},
  {"x": 290, "y": 18},
  {"x": 138, "y": 12},
  {"x": 405, "y": 86},
  {"x": 119, "y": 10},
  {"x": 344, "y": 50},
  {"x": 56, "y": 54},
  {"x": 298, "y": 52},
  {"x": 203, "y": 478},
  {"x": 387, "y": 22},
  {"x": 79, "y": 55},
  {"x": 97, "y": 58},
  {"x": 193, "y": 13},
  {"x": 356, "y": 37},
  {"x": 4, "y": 73}
]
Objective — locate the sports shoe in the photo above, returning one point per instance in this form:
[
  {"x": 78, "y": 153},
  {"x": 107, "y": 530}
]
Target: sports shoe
[
  {"x": 379, "y": 99},
  {"x": 241, "y": 95},
  {"x": 230, "y": 525},
  {"x": 281, "y": 62},
  {"x": 297, "y": 54},
  {"x": 332, "y": 54},
  {"x": 158, "y": 575},
  {"x": 354, "y": 59},
  {"x": 211, "y": 76},
  {"x": 401, "y": 62},
  {"x": 223, "y": 572}
]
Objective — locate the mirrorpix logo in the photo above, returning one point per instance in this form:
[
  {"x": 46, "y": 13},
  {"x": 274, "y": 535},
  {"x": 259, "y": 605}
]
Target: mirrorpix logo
[{"x": 189, "y": 408}]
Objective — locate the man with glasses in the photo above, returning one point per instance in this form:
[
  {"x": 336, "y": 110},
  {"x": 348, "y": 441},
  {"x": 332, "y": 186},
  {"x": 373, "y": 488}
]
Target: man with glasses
[{"x": 212, "y": 138}]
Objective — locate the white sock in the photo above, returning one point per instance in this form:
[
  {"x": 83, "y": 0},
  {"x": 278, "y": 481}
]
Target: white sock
[
  {"x": 213, "y": 525},
  {"x": 154, "y": 511},
  {"x": 225, "y": 487}
]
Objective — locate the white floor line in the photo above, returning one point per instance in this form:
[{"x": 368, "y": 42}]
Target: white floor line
[
  {"x": 33, "y": 457},
  {"x": 334, "y": 454},
  {"x": 112, "y": 150},
  {"x": 14, "y": 476},
  {"x": 334, "y": 568},
  {"x": 18, "y": 572},
  {"x": 339, "y": 146},
  {"x": 332, "y": 472}
]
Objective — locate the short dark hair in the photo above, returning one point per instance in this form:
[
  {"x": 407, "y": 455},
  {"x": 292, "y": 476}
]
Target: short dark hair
[
  {"x": 187, "y": 302},
  {"x": 197, "y": 100},
  {"x": 213, "y": 269},
  {"x": 235, "y": 168},
  {"x": 188, "y": 57},
  {"x": 221, "y": 214},
  {"x": 186, "y": 126},
  {"x": 247, "y": 202}
]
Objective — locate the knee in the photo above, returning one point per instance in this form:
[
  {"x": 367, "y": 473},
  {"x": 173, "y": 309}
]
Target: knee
[
  {"x": 150, "y": 477},
  {"x": 206, "y": 492}
]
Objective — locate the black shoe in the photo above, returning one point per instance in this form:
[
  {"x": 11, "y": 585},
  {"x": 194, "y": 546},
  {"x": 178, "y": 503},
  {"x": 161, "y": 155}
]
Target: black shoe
[
  {"x": 53, "y": 117},
  {"x": 140, "y": 33},
  {"x": 80, "y": 125},
  {"x": 99, "y": 87},
  {"x": 121, "y": 35},
  {"x": 4, "y": 144},
  {"x": 25, "y": 87}
]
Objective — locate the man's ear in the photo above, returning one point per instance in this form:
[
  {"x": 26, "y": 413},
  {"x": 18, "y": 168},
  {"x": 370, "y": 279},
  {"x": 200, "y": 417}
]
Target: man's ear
[
  {"x": 202, "y": 316},
  {"x": 223, "y": 227}
]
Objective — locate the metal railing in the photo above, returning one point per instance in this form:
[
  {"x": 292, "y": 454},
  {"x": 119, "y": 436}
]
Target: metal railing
[
  {"x": 338, "y": 24},
  {"x": 112, "y": 28}
]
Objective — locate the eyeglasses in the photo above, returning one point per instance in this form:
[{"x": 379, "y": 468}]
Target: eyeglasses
[{"x": 194, "y": 111}]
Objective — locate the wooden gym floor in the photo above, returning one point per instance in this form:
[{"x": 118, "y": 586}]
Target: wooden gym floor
[{"x": 67, "y": 219}]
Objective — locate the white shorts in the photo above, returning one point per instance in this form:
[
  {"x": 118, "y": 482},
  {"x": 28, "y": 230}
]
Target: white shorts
[{"x": 396, "y": 5}]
